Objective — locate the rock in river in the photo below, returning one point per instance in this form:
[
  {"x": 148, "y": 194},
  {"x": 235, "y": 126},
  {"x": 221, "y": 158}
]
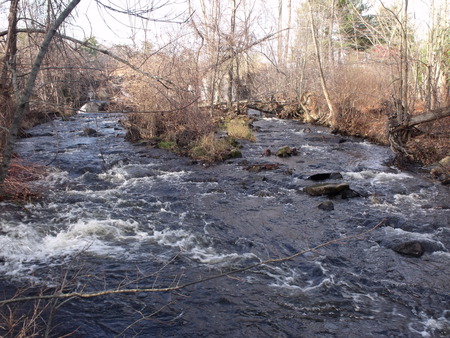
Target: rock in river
[
  {"x": 413, "y": 248},
  {"x": 90, "y": 132},
  {"x": 287, "y": 152},
  {"x": 256, "y": 168},
  {"x": 325, "y": 176},
  {"x": 326, "y": 189},
  {"x": 327, "y": 206}
]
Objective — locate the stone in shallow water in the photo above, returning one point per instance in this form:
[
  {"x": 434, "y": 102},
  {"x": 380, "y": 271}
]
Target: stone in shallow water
[
  {"x": 90, "y": 132},
  {"x": 326, "y": 189},
  {"x": 287, "y": 152},
  {"x": 414, "y": 249},
  {"x": 256, "y": 168},
  {"x": 325, "y": 176},
  {"x": 327, "y": 206}
]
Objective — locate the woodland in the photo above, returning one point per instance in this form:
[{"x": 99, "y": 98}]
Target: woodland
[
  {"x": 365, "y": 68},
  {"x": 188, "y": 73}
]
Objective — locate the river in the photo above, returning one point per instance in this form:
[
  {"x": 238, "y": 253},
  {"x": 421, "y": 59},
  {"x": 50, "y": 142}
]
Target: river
[{"x": 117, "y": 215}]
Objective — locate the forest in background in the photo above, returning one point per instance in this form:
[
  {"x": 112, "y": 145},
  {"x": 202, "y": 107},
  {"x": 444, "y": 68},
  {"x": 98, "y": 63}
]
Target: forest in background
[{"x": 364, "y": 68}]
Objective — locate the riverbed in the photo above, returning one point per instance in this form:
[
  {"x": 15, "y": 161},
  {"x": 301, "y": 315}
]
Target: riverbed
[{"x": 117, "y": 216}]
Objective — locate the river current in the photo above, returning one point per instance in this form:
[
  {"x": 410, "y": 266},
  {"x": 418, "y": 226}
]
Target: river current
[{"x": 117, "y": 215}]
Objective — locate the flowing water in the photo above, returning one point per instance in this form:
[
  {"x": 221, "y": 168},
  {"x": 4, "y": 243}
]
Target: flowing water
[{"x": 117, "y": 215}]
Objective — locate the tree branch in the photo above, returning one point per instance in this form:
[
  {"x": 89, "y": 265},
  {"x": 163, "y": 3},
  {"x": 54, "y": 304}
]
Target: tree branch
[{"x": 87, "y": 44}]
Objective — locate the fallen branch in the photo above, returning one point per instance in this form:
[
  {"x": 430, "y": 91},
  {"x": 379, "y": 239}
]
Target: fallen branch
[
  {"x": 183, "y": 286},
  {"x": 429, "y": 116}
]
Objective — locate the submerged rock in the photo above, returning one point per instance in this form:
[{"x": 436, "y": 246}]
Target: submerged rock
[
  {"x": 90, "y": 132},
  {"x": 256, "y": 168},
  {"x": 326, "y": 189},
  {"x": 325, "y": 176},
  {"x": 414, "y": 249},
  {"x": 327, "y": 206},
  {"x": 267, "y": 152}
]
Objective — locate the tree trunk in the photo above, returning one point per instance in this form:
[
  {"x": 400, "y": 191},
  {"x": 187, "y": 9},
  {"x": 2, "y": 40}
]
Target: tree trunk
[
  {"x": 286, "y": 41},
  {"x": 333, "y": 121},
  {"x": 23, "y": 102},
  {"x": 231, "y": 46},
  {"x": 402, "y": 114},
  {"x": 11, "y": 45},
  {"x": 330, "y": 36},
  {"x": 280, "y": 35},
  {"x": 428, "y": 116}
]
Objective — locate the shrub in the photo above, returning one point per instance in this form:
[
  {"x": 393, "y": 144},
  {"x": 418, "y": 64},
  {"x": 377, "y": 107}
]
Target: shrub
[{"x": 167, "y": 108}]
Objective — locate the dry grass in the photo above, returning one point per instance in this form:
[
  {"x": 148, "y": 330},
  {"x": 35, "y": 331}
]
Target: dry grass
[
  {"x": 16, "y": 186},
  {"x": 239, "y": 128},
  {"x": 209, "y": 149},
  {"x": 359, "y": 92},
  {"x": 363, "y": 101}
]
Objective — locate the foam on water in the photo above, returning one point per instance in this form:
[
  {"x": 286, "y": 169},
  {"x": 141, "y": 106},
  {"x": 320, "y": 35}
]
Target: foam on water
[
  {"x": 376, "y": 177},
  {"x": 314, "y": 149},
  {"x": 21, "y": 243},
  {"x": 427, "y": 326}
]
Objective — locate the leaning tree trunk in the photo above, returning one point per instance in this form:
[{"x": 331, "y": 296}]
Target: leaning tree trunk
[{"x": 24, "y": 100}]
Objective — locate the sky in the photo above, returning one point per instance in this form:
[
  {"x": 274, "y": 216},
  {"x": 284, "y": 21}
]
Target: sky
[{"x": 113, "y": 28}]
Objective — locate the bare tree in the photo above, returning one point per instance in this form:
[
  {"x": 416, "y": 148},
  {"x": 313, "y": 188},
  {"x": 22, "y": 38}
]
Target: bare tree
[
  {"x": 280, "y": 33},
  {"x": 332, "y": 112},
  {"x": 25, "y": 96}
]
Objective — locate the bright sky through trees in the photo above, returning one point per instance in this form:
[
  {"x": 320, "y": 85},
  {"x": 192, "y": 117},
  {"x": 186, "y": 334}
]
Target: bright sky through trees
[{"x": 109, "y": 27}]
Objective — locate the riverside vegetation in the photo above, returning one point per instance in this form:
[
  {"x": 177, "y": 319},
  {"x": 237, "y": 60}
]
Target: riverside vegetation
[
  {"x": 362, "y": 74},
  {"x": 359, "y": 70}
]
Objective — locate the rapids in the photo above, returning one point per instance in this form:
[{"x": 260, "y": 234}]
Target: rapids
[{"x": 117, "y": 215}]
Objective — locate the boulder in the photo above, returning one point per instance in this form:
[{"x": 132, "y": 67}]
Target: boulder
[
  {"x": 413, "y": 248},
  {"x": 326, "y": 189},
  {"x": 441, "y": 170},
  {"x": 287, "y": 152}
]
